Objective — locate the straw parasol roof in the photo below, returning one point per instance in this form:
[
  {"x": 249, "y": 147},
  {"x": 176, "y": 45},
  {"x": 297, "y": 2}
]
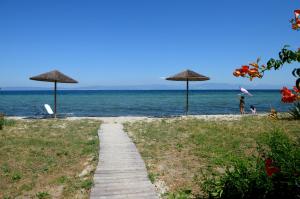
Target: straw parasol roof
[
  {"x": 54, "y": 76},
  {"x": 188, "y": 75}
]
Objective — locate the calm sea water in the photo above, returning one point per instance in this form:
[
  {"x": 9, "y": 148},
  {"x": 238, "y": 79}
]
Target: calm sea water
[{"x": 136, "y": 103}]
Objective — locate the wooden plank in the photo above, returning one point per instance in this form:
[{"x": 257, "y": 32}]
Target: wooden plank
[{"x": 121, "y": 172}]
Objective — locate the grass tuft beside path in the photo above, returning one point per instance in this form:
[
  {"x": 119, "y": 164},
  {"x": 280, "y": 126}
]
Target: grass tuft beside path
[
  {"x": 44, "y": 158},
  {"x": 181, "y": 151}
]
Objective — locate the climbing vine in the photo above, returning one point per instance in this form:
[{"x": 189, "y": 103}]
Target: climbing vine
[{"x": 286, "y": 56}]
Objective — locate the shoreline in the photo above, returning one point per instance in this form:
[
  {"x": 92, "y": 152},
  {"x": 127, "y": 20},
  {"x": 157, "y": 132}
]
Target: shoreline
[{"x": 123, "y": 119}]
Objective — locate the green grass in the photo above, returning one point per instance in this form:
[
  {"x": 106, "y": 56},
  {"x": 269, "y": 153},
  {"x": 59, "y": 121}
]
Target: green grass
[
  {"x": 42, "y": 158},
  {"x": 181, "y": 151},
  {"x": 42, "y": 195},
  {"x": 87, "y": 184}
]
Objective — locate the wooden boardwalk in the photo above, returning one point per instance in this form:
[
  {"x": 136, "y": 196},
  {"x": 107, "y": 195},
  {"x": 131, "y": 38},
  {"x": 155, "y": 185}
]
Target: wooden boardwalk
[{"x": 121, "y": 172}]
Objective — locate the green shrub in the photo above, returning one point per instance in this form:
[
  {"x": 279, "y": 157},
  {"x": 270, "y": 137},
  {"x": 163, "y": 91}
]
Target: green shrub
[
  {"x": 286, "y": 156},
  {"x": 275, "y": 174},
  {"x": 240, "y": 181},
  {"x": 295, "y": 111}
]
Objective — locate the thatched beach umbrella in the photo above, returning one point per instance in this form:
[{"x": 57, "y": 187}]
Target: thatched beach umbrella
[
  {"x": 187, "y": 76},
  {"x": 54, "y": 76}
]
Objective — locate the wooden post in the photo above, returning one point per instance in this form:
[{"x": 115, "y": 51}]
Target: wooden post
[{"x": 55, "y": 99}]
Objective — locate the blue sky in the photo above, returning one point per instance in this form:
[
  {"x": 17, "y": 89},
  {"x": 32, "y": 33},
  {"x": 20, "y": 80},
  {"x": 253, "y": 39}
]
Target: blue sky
[{"x": 135, "y": 42}]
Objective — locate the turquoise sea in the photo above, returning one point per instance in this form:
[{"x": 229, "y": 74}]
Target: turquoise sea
[{"x": 154, "y": 103}]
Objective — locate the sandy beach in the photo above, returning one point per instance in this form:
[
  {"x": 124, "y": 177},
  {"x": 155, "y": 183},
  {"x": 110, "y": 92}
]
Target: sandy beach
[{"x": 124, "y": 119}]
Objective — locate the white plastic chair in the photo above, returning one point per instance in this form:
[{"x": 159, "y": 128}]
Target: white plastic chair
[{"x": 49, "y": 109}]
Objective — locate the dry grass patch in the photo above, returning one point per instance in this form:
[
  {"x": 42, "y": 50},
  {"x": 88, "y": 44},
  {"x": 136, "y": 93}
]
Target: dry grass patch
[
  {"x": 181, "y": 151},
  {"x": 43, "y": 158}
]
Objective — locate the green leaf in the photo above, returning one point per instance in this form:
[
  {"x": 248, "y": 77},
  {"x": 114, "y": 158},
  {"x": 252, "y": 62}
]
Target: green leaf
[
  {"x": 298, "y": 83},
  {"x": 296, "y": 72},
  {"x": 286, "y": 45}
]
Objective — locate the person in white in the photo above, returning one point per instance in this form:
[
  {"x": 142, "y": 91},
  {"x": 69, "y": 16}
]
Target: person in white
[{"x": 253, "y": 109}]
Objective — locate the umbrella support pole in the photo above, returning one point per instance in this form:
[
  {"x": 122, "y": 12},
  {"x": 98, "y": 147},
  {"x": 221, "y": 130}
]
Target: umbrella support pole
[
  {"x": 55, "y": 88},
  {"x": 187, "y": 98}
]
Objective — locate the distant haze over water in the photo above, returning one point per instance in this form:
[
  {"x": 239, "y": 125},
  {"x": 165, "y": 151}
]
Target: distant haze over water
[
  {"x": 136, "y": 102},
  {"x": 169, "y": 86}
]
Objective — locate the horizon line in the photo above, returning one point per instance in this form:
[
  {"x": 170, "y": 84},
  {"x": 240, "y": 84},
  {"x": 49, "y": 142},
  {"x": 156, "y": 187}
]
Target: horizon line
[{"x": 210, "y": 89}]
